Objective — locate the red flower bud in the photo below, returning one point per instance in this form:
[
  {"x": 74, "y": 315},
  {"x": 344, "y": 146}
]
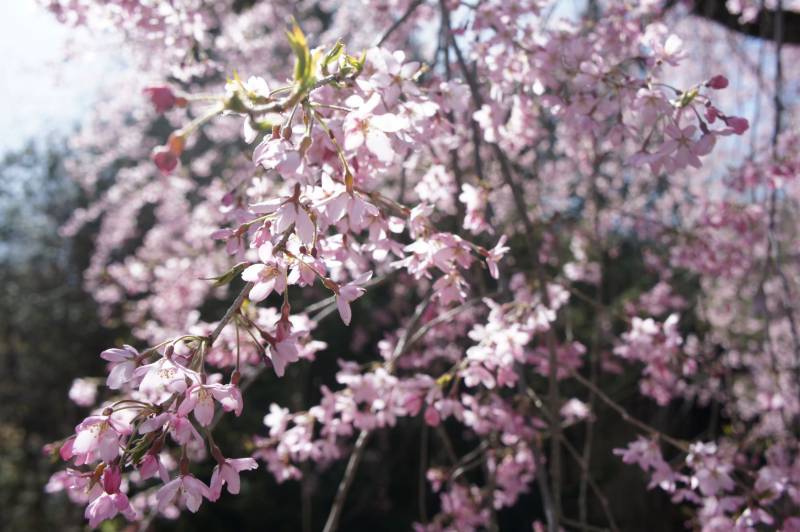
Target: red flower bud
[
  {"x": 738, "y": 124},
  {"x": 166, "y": 157},
  {"x": 165, "y": 160},
  {"x": 162, "y": 97},
  {"x": 711, "y": 114},
  {"x": 717, "y": 82}
]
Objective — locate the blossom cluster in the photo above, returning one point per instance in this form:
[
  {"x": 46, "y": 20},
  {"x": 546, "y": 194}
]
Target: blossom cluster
[{"x": 492, "y": 184}]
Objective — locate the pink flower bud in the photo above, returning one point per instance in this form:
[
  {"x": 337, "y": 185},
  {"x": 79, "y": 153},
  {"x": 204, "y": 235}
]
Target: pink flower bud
[
  {"x": 165, "y": 160},
  {"x": 738, "y": 124},
  {"x": 717, "y": 82},
  {"x": 166, "y": 157},
  {"x": 711, "y": 114},
  {"x": 432, "y": 416},
  {"x": 112, "y": 478},
  {"x": 162, "y": 98}
]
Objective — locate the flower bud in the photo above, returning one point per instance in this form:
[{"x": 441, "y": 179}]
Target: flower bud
[
  {"x": 717, "y": 82},
  {"x": 112, "y": 478},
  {"x": 165, "y": 160},
  {"x": 432, "y": 417},
  {"x": 162, "y": 98},
  {"x": 738, "y": 124},
  {"x": 166, "y": 157}
]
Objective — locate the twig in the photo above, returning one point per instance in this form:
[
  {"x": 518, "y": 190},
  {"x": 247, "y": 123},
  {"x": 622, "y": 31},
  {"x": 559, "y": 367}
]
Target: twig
[
  {"x": 232, "y": 310},
  {"x": 594, "y": 355},
  {"x": 423, "y": 464},
  {"x": 595, "y": 488},
  {"x": 397, "y": 23},
  {"x": 682, "y": 445},
  {"x": 335, "y": 514},
  {"x": 522, "y": 212},
  {"x": 544, "y": 489},
  {"x": 332, "y": 523}
]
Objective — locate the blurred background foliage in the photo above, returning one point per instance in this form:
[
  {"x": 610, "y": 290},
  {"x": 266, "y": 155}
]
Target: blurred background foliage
[{"x": 49, "y": 332}]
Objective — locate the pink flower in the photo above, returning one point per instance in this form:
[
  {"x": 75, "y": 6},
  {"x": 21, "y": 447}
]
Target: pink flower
[
  {"x": 165, "y": 375},
  {"x": 79, "y": 486},
  {"x": 200, "y": 399},
  {"x": 494, "y": 256},
  {"x": 340, "y": 203},
  {"x": 475, "y": 199},
  {"x": 106, "y": 506},
  {"x": 180, "y": 427},
  {"x": 83, "y": 392},
  {"x": 652, "y": 105},
  {"x": 279, "y": 154},
  {"x": 348, "y": 293},
  {"x": 150, "y": 466},
  {"x": 388, "y": 73},
  {"x": 97, "y": 438},
  {"x": 266, "y": 276},
  {"x": 123, "y": 364},
  {"x": 292, "y": 213},
  {"x": 188, "y": 490},
  {"x": 287, "y": 213},
  {"x": 362, "y": 127},
  {"x": 282, "y": 352},
  {"x": 687, "y": 150},
  {"x": 228, "y": 474}
]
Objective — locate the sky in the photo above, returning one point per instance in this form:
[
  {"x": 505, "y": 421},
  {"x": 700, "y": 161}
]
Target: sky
[{"x": 49, "y": 74}]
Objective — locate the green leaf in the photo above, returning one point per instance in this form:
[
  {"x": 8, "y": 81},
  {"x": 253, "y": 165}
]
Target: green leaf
[
  {"x": 228, "y": 276},
  {"x": 332, "y": 55},
  {"x": 303, "y": 66}
]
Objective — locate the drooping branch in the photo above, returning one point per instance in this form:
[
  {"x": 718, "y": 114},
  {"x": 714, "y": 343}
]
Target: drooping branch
[{"x": 765, "y": 25}]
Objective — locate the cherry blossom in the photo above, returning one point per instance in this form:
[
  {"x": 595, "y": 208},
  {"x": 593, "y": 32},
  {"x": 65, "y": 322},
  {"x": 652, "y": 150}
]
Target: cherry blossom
[{"x": 186, "y": 489}]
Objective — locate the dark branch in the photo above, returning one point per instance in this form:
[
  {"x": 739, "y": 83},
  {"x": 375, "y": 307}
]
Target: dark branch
[{"x": 765, "y": 26}]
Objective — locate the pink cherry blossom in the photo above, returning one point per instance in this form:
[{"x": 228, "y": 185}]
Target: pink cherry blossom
[
  {"x": 227, "y": 474},
  {"x": 108, "y": 505},
  {"x": 165, "y": 376},
  {"x": 199, "y": 398},
  {"x": 97, "y": 438},
  {"x": 185, "y": 489},
  {"x": 123, "y": 363},
  {"x": 364, "y": 128},
  {"x": 348, "y": 293}
]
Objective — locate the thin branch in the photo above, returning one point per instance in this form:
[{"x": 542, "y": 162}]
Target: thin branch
[
  {"x": 682, "y": 445},
  {"x": 766, "y": 25},
  {"x": 584, "y": 466},
  {"x": 335, "y": 514},
  {"x": 332, "y": 523},
  {"x": 232, "y": 310},
  {"x": 423, "y": 465},
  {"x": 397, "y": 23},
  {"x": 544, "y": 489}
]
